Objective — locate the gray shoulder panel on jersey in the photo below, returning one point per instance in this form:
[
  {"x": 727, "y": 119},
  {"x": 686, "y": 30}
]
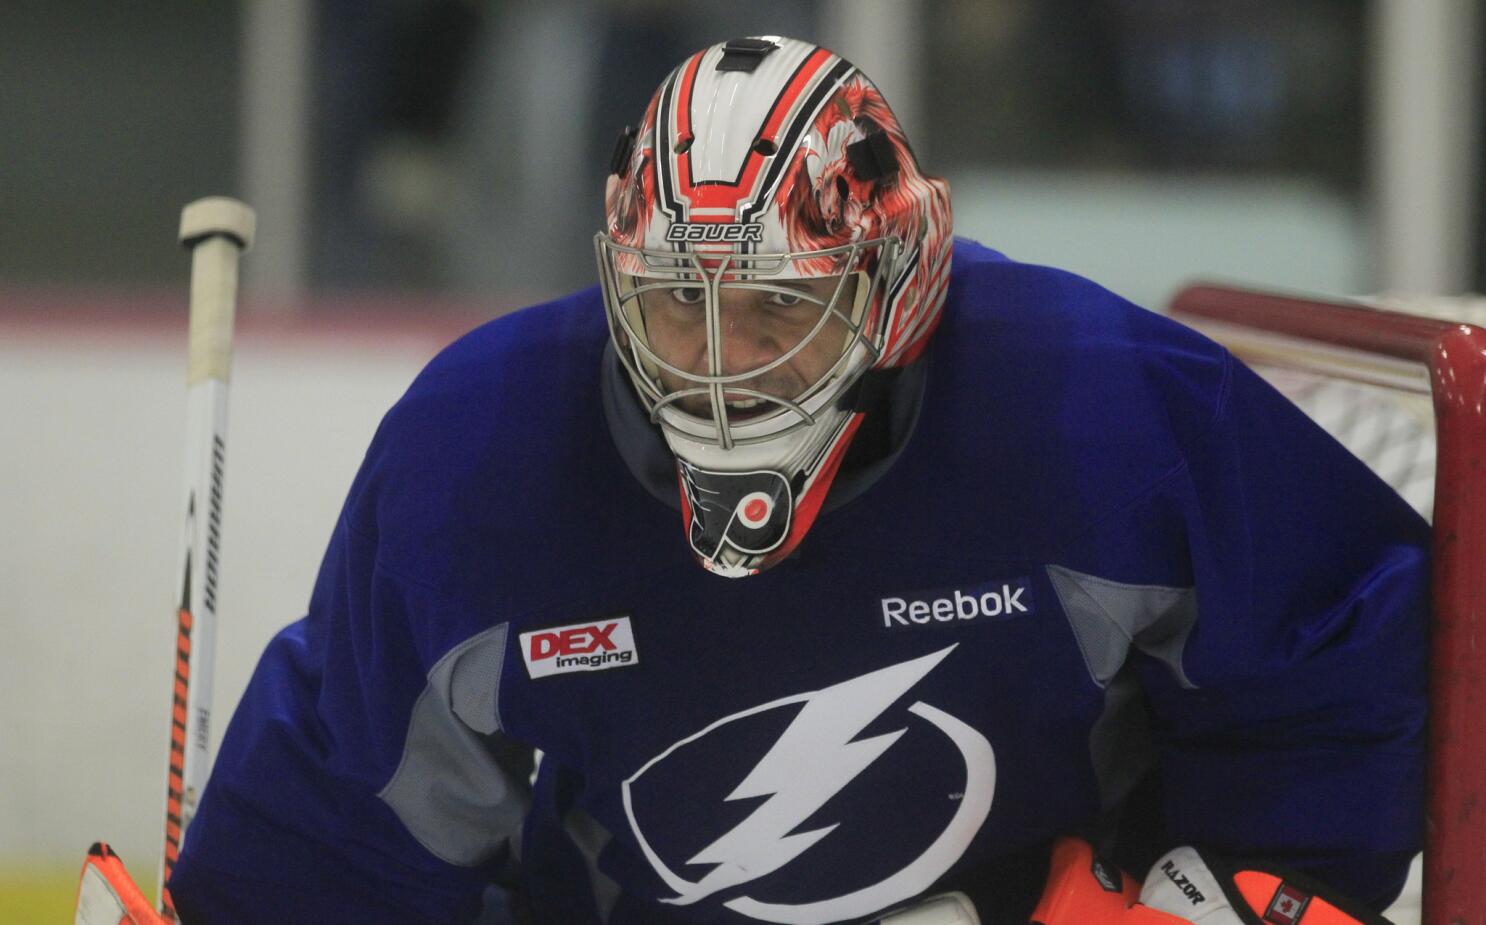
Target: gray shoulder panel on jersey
[
  {"x": 1108, "y": 617},
  {"x": 449, "y": 790}
]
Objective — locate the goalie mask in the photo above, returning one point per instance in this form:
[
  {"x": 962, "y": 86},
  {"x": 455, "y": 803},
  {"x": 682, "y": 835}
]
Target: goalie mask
[{"x": 769, "y": 242}]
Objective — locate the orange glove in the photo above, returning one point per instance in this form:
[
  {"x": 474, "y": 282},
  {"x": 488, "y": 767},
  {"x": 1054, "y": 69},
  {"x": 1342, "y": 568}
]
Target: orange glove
[
  {"x": 106, "y": 895},
  {"x": 1205, "y": 889},
  {"x": 1184, "y": 887},
  {"x": 1084, "y": 890}
]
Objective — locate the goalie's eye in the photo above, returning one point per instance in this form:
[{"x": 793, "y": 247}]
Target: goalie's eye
[
  {"x": 785, "y": 299},
  {"x": 689, "y": 295}
]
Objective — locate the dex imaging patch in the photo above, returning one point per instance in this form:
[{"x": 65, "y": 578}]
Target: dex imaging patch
[{"x": 607, "y": 643}]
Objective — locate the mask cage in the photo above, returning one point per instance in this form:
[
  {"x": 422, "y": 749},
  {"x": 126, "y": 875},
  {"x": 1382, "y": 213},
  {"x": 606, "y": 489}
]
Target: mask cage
[{"x": 627, "y": 273}]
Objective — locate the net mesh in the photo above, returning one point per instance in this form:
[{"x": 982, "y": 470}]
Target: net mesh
[{"x": 1389, "y": 430}]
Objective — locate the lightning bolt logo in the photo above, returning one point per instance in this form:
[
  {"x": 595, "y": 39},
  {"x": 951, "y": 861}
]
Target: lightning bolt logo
[{"x": 814, "y": 759}]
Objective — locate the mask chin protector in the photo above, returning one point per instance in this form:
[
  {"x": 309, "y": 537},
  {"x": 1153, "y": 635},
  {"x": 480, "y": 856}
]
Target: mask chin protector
[{"x": 737, "y": 518}]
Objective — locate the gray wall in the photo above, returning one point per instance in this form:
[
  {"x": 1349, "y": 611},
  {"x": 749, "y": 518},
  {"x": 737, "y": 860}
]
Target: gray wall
[{"x": 111, "y": 116}]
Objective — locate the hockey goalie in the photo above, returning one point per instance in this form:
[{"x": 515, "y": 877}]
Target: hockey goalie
[{"x": 838, "y": 570}]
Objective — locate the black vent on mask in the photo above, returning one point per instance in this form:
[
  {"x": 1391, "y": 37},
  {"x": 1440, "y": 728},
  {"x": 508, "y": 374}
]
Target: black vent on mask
[
  {"x": 619, "y": 160},
  {"x": 873, "y": 157},
  {"x": 744, "y": 54}
]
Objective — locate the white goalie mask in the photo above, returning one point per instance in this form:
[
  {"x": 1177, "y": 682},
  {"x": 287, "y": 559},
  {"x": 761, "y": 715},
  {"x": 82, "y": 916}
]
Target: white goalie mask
[{"x": 769, "y": 241}]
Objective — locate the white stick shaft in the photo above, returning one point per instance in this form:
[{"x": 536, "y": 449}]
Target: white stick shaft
[
  {"x": 206, "y": 457},
  {"x": 214, "y": 260}
]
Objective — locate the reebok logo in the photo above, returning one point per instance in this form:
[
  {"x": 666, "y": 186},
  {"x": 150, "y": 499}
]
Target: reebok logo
[
  {"x": 1002, "y": 599},
  {"x": 579, "y": 647}
]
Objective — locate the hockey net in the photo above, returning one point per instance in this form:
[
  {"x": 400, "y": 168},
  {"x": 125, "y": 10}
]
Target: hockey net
[{"x": 1402, "y": 383}]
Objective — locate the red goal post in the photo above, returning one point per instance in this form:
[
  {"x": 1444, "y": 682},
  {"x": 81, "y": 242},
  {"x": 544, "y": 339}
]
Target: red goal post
[{"x": 1446, "y": 360}]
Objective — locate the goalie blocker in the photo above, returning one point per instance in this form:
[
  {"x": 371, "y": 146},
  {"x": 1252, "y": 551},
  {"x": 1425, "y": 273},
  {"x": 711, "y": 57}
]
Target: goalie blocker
[
  {"x": 107, "y": 895},
  {"x": 1186, "y": 886}
]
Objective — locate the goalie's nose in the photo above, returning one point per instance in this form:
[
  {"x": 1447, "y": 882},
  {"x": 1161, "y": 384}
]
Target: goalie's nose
[{"x": 747, "y": 340}]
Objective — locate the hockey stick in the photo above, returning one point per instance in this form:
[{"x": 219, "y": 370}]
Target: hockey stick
[{"x": 216, "y": 230}]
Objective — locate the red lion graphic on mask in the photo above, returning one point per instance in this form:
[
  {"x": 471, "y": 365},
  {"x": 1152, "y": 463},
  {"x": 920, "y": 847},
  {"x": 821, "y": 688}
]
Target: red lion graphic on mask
[{"x": 825, "y": 204}]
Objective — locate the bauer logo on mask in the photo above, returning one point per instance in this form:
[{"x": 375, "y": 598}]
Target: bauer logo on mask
[{"x": 735, "y": 514}]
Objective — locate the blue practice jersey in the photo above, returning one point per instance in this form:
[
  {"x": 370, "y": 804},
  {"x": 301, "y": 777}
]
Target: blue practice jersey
[{"x": 1107, "y": 554}]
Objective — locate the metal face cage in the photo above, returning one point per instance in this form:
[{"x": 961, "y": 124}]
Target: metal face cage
[{"x": 627, "y": 275}]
